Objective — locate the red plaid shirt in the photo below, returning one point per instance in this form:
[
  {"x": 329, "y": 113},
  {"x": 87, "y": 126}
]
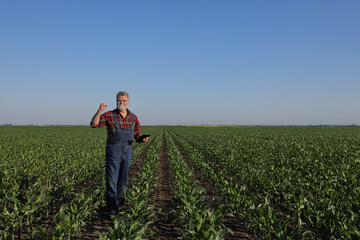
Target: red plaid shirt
[{"x": 107, "y": 119}]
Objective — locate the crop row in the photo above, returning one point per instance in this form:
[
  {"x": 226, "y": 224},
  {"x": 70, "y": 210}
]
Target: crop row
[
  {"x": 258, "y": 214},
  {"x": 197, "y": 221},
  {"x": 75, "y": 215},
  {"x": 51, "y": 181},
  {"x": 42, "y": 168},
  {"x": 308, "y": 183}
]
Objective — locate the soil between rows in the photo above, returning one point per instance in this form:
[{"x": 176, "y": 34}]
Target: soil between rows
[
  {"x": 164, "y": 226},
  {"x": 232, "y": 222}
]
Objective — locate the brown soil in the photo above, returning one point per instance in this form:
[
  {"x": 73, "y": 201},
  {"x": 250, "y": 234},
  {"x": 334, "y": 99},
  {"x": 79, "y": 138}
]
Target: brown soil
[{"x": 164, "y": 226}]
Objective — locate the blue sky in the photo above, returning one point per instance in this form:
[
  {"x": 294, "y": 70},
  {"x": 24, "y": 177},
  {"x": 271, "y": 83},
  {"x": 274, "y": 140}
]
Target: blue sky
[{"x": 183, "y": 62}]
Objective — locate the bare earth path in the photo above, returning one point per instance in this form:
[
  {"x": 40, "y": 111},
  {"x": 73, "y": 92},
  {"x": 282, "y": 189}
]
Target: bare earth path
[{"x": 164, "y": 227}]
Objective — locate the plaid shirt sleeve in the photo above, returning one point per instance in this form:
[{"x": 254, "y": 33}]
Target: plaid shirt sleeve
[
  {"x": 102, "y": 120},
  {"x": 137, "y": 128}
]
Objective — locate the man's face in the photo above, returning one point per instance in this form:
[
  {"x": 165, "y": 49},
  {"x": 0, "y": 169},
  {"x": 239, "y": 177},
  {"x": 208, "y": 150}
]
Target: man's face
[{"x": 122, "y": 102}]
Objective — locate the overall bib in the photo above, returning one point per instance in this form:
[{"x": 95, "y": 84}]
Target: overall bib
[{"x": 118, "y": 155}]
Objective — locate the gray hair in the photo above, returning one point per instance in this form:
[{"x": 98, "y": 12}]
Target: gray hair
[{"x": 122, "y": 93}]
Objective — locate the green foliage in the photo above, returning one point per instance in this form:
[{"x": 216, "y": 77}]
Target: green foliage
[
  {"x": 51, "y": 172},
  {"x": 284, "y": 182},
  {"x": 195, "y": 219}
]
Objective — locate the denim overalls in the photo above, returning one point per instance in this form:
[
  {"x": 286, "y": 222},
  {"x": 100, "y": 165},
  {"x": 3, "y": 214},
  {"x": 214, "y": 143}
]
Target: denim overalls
[{"x": 118, "y": 155}]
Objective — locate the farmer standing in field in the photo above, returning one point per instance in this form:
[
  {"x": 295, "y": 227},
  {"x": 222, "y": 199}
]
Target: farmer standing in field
[{"x": 122, "y": 126}]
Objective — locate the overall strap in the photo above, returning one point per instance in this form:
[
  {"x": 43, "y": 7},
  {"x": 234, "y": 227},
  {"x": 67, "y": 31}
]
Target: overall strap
[
  {"x": 116, "y": 121},
  {"x": 132, "y": 121}
]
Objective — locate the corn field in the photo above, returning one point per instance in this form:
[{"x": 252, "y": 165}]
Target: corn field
[{"x": 185, "y": 183}]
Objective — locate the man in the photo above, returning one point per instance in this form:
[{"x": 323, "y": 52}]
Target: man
[{"x": 122, "y": 126}]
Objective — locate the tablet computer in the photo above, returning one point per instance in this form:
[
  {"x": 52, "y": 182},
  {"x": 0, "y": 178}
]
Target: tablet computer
[{"x": 141, "y": 138}]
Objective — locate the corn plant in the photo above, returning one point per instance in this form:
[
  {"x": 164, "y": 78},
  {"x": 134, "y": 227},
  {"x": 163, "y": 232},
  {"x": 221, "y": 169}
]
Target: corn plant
[{"x": 196, "y": 220}]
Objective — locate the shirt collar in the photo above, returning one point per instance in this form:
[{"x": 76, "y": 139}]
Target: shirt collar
[{"x": 118, "y": 112}]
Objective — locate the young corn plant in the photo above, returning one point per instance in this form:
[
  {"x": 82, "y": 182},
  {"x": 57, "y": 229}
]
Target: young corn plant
[
  {"x": 259, "y": 216},
  {"x": 70, "y": 219},
  {"x": 196, "y": 220}
]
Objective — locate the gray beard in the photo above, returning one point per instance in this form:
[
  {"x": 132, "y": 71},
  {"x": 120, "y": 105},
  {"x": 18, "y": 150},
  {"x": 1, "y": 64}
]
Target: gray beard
[{"x": 121, "y": 108}]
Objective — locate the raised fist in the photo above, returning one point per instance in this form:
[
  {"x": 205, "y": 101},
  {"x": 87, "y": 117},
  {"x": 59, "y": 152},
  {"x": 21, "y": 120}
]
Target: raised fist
[{"x": 102, "y": 106}]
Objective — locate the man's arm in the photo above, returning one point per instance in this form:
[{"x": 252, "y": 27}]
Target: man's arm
[
  {"x": 138, "y": 131},
  {"x": 96, "y": 118}
]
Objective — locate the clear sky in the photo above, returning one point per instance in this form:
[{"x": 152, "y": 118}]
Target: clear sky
[{"x": 183, "y": 62}]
